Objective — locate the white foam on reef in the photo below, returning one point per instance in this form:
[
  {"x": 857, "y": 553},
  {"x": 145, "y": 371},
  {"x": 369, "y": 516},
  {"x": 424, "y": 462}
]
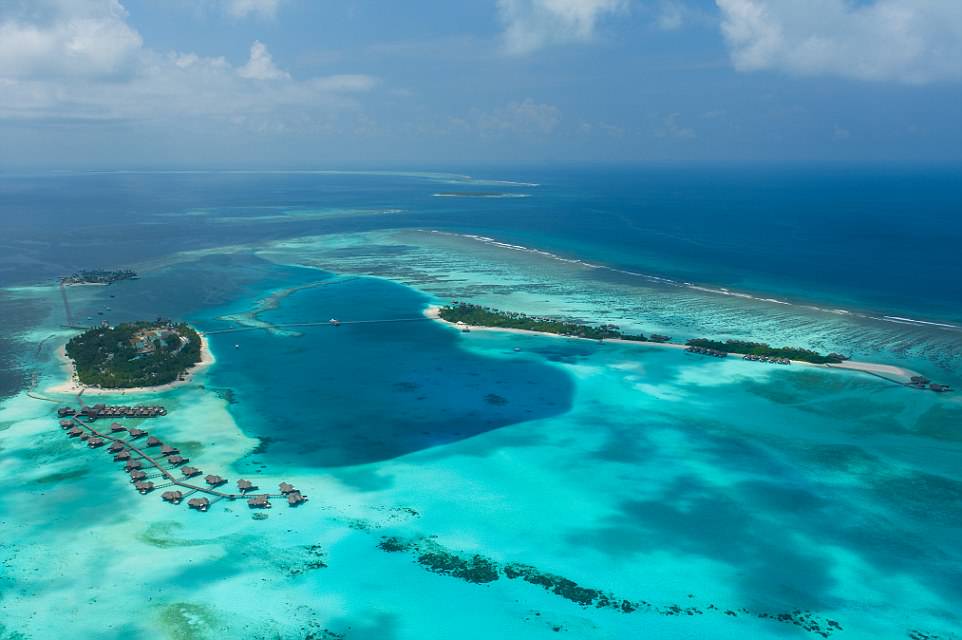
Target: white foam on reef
[
  {"x": 723, "y": 291},
  {"x": 920, "y": 322},
  {"x": 482, "y": 196}
]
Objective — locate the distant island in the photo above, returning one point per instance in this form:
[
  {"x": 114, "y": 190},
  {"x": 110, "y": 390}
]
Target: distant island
[
  {"x": 135, "y": 354},
  {"x": 471, "y": 314},
  {"x": 465, "y": 315},
  {"x": 478, "y": 194},
  {"x": 98, "y": 276}
]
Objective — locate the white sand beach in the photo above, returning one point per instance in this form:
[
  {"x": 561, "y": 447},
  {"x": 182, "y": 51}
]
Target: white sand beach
[
  {"x": 890, "y": 372},
  {"x": 72, "y": 386}
]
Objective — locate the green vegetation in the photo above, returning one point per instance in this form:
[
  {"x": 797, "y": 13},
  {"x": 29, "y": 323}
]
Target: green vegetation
[
  {"x": 471, "y": 314},
  {"x": 762, "y": 349},
  {"x": 475, "y": 315},
  {"x": 99, "y": 277},
  {"x": 136, "y": 354}
]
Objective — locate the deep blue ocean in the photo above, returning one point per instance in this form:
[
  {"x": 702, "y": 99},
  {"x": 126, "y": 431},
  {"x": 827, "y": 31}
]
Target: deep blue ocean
[{"x": 885, "y": 241}]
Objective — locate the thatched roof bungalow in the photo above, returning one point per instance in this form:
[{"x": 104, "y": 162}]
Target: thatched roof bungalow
[
  {"x": 258, "y": 502},
  {"x": 214, "y": 481},
  {"x": 295, "y": 498},
  {"x": 200, "y": 504}
]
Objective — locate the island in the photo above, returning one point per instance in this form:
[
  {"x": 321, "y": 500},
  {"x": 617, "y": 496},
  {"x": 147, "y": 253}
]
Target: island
[
  {"x": 98, "y": 276},
  {"x": 465, "y": 317},
  {"x": 479, "y": 194},
  {"x": 135, "y": 354},
  {"x": 762, "y": 350}
]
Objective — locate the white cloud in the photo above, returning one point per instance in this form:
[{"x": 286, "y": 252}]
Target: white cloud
[
  {"x": 100, "y": 71},
  {"x": 532, "y": 24},
  {"x": 526, "y": 117},
  {"x": 671, "y": 15},
  {"x": 911, "y": 41},
  {"x": 671, "y": 127},
  {"x": 840, "y": 133},
  {"x": 84, "y": 38},
  {"x": 243, "y": 8},
  {"x": 261, "y": 65}
]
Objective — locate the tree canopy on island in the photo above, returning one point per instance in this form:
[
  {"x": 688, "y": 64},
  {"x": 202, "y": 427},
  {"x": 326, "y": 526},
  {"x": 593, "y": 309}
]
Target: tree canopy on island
[
  {"x": 479, "y": 316},
  {"x": 99, "y": 276},
  {"x": 761, "y": 349},
  {"x": 135, "y": 354}
]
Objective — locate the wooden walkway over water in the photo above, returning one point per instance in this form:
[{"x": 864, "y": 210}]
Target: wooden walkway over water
[
  {"x": 163, "y": 468},
  {"x": 324, "y": 323}
]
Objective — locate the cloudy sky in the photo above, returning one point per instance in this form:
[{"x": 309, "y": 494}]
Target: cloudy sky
[{"x": 318, "y": 83}]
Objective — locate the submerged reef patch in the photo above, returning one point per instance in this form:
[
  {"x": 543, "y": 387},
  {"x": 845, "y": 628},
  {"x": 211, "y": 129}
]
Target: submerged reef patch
[
  {"x": 479, "y": 569},
  {"x": 188, "y": 621},
  {"x": 476, "y": 568},
  {"x": 53, "y": 478}
]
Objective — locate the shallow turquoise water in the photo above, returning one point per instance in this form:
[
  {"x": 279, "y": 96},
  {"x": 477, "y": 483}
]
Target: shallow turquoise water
[{"x": 649, "y": 475}]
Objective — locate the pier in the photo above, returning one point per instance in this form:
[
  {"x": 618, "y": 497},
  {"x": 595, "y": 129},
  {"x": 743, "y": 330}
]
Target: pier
[
  {"x": 145, "y": 468},
  {"x": 333, "y": 322},
  {"x": 92, "y": 412}
]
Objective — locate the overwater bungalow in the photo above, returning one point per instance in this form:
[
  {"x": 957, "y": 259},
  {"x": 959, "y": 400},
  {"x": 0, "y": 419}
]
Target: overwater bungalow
[
  {"x": 295, "y": 498},
  {"x": 66, "y": 424},
  {"x": 286, "y": 488},
  {"x": 137, "y": 475},
  {"x": 245, "y": 485},
  {"x": 177, "y": 460},
  {"x": 153, "y": 441},
  {"x": 173, "y": 497},
  {"x": 214, "y": 481},
  {"x": 63, "y": 412},
  {"x": 190, "y": 472},
  {"x": 115, "y": 447},
  {"x": 258, "y": 502},
  {"x": 84, "y": 436},
  {"x": 93, "y": 443},
  {"x": 137, "y": 433},
  {"x": 116, "y": 427},
  {"x": 200, "y": 504},
  {"x": 122, "y": 456},
  {"x": 168, "y": 450},
  {"x": 133, "y": 465},
  {"x": 144, "y": 487}
]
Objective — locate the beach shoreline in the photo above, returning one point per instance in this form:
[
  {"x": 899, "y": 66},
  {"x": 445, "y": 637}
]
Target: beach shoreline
[
  {"x": 892, "y": 373},
  {"x": 72, "y": 386}
]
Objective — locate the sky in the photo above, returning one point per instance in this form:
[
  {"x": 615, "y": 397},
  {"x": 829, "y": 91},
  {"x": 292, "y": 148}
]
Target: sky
[{"x": 355, "y": 83}]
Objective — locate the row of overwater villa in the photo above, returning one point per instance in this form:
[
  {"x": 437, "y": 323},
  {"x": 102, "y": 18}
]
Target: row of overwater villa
[{"x": 153, "y": 464}]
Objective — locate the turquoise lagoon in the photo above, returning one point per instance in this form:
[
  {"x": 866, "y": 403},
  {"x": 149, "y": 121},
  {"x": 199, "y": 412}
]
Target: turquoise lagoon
[{"x": 681, "y": 497}]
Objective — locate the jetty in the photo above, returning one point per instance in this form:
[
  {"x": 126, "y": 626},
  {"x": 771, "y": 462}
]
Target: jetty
[
  {"x": 148, "y": 472},
  {"x": 95, "y": 411}
]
